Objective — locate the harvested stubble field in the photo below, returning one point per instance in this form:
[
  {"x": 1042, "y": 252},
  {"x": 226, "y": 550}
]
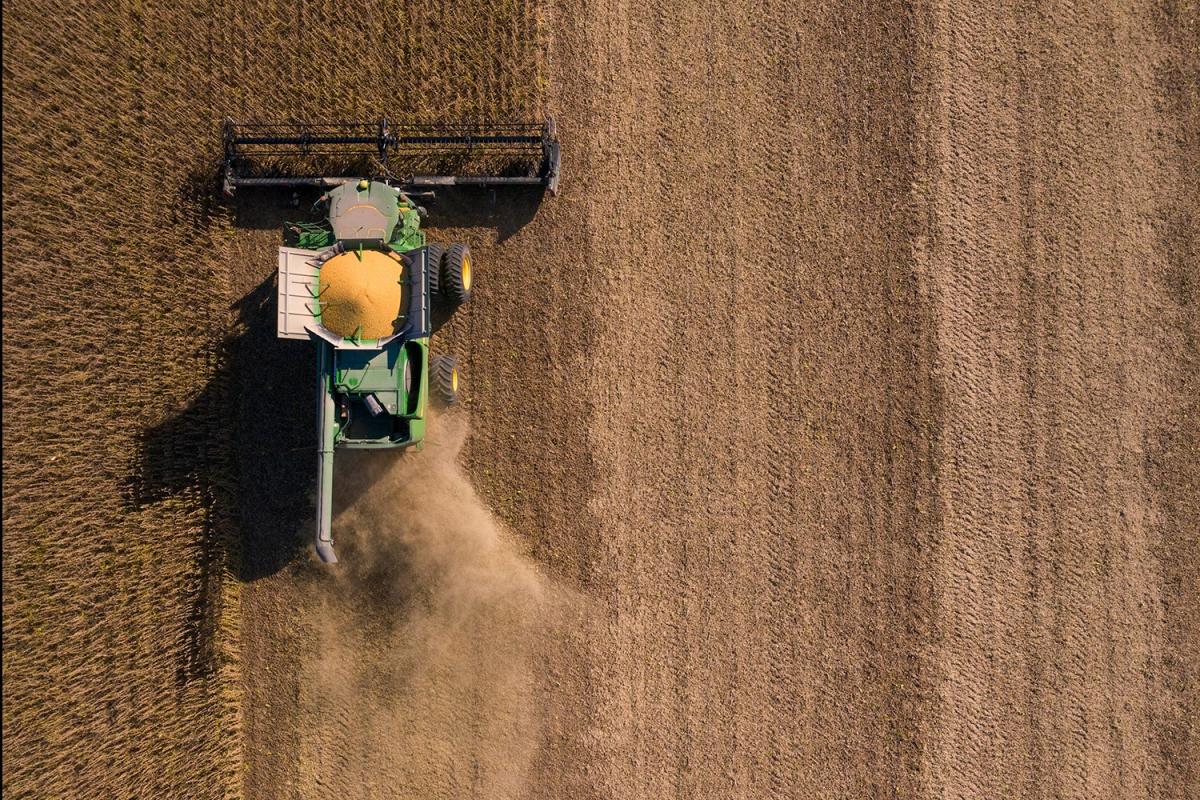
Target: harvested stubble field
[
  {"x": 839, "y": 423},
  {"x": 126, "y": 449}
]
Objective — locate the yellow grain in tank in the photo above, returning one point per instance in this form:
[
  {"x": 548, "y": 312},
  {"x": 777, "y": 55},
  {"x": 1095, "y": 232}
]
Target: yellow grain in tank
[{"x": 361, "y": 298}]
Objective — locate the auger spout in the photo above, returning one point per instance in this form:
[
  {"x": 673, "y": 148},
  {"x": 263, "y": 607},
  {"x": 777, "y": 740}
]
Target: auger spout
[{"x": 328, "y": 430}]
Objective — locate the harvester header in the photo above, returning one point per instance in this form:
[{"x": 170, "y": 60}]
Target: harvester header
[{"x": 413, "y": 157}]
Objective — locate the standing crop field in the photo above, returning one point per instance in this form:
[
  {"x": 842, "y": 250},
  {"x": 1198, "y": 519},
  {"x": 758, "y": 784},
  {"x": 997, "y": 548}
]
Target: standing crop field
[{"x": 123, "y": 445}]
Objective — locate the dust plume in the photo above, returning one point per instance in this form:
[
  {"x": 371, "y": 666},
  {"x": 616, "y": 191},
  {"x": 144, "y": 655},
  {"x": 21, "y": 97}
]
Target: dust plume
[{"x": 432, "y": 631}]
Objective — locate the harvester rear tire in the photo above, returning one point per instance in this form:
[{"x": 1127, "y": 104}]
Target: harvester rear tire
[
  {"x": 435, "y": 254},
  {"x": 443, "y": 380},
  {"x": 457, "y": 274}
]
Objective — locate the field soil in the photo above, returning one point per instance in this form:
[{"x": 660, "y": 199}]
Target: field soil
[
  {"x": 839, "y": 424},
  {"x": 835, "y": 432},
  {"x": 152, "y": 403}
]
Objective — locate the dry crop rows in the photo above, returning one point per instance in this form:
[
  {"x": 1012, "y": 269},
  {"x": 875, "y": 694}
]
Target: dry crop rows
[{"x": 120, "y": 450}]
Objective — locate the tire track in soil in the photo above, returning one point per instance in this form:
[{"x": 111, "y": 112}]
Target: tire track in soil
[{"x": 1058, "y": 347}]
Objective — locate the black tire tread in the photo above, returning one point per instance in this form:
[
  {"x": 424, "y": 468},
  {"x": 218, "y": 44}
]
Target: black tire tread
[
  {"x": 454, "y": 291},
  {"x": 441, "y": 381},
  {"x": 435, "y": 253}
]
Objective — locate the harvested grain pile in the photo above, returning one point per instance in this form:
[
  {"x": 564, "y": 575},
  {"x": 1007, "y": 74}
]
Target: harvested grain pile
[{"x": 361, "y": 294}]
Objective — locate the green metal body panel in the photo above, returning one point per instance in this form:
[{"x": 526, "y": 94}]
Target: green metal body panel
[
  {"x": 408, "y": 234},
  {"x": 364, "y": 398},
  {"x": 308, "y": 235},
  {"x": 367, "y": 210},
  {"x": 352, "y": 374},
  {"x": 354, "y": 214}
]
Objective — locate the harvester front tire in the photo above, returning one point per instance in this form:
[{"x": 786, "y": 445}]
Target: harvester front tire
[
  {"x": 435, "y": 255},
  {"x": 443, "y": 380},
  {"x": 457, "y": 274}
]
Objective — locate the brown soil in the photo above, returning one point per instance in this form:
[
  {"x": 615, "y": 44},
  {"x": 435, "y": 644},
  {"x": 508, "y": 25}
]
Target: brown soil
[
  {"x": 843, "y": 400},
  {"x": 1058, "y": 256},
  {"x": 834, "y": 433}
]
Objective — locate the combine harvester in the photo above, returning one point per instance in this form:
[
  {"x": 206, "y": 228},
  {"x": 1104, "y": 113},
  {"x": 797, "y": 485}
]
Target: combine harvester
[{"x": 361, "y": 282}]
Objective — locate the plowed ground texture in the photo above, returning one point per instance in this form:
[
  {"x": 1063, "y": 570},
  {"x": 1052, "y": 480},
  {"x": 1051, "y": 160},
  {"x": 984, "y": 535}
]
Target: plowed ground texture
[
  {"x": 834, "y": 433},
  {"x": 135, "y": 376}
]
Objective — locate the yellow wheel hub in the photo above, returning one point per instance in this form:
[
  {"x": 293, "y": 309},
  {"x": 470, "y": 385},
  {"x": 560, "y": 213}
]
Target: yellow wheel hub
[
  {"x": 454, "y": 380},
  {"x": 466, "y": 272}
]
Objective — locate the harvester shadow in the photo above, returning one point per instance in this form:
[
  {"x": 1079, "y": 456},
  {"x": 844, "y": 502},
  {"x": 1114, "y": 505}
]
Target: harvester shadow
[
  {"x": 273, "y": 401},
  {"x": 182, "y": 464},
  {"x": 213, "y": 458},
  {"x": 268, "y": 209},
  {"x": 239, "y": 446},
  {"x": 273, "y": 386},
  {"x": 247, "y": 444},
  {"x": 198, "y": 200},
  {"x": 506, "y": 210}
]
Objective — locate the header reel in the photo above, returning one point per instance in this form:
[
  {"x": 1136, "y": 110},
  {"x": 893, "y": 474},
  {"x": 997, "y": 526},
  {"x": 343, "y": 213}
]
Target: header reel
[{"x": 416, "y": 158}]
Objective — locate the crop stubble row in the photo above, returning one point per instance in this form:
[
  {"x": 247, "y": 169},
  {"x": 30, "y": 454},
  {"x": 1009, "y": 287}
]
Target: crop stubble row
[{"x": 121, "y": 458}]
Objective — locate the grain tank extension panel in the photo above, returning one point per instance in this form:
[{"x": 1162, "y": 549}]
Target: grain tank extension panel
[{"x": 297, "y": 292}]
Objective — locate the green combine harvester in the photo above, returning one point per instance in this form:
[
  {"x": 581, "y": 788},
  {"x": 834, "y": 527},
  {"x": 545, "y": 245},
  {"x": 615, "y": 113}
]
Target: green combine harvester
[{"x": 362, "y": 281}]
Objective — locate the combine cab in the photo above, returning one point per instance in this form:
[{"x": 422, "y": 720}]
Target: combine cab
[{"x": 362, "y": 282}]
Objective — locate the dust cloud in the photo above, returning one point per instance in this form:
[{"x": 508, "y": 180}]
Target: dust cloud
[{"x": 433, "y": 630}]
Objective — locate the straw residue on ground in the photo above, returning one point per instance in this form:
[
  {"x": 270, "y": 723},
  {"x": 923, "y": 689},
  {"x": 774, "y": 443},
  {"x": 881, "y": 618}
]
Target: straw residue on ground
[
  {"x": 149, "y": 414},
  {"x": 852, "y": 378}
]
